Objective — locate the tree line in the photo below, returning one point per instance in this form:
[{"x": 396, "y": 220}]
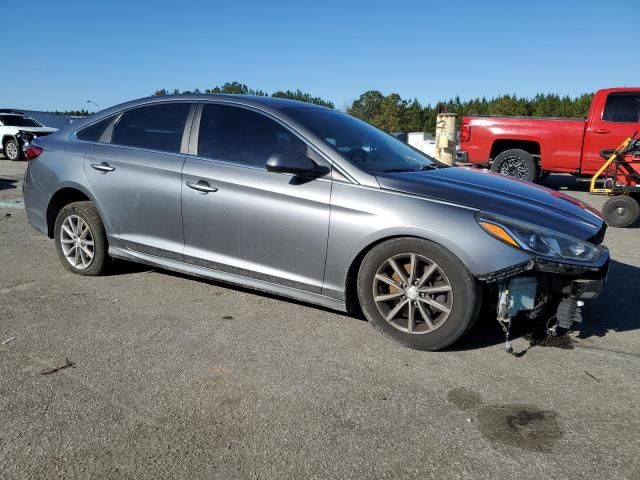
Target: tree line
[
  {"x": 395, "y": 114},
  {"x": 241, "y": 89},
  {"x": 71, "y": 113}
]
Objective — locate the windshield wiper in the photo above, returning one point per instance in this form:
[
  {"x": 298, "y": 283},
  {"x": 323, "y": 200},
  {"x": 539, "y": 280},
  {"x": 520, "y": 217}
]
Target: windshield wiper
[
  {"x": 393, "y": 170},
  {"x": 428, "y": 166}
]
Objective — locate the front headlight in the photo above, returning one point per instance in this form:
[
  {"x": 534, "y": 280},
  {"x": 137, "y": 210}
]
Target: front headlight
[{"x": 537, "y": 240}]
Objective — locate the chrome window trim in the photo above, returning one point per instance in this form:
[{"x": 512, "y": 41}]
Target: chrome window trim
[{"x": 107, "y": 134}]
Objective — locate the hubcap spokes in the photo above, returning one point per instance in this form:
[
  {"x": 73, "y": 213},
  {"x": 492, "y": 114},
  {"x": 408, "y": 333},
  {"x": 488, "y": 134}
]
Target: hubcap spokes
[
  {"x": 12, "y": 151},
  {"x": 514, "y": 167},
  {"x": 77, "y": 242},
  {"x": 412, "y": 293}
]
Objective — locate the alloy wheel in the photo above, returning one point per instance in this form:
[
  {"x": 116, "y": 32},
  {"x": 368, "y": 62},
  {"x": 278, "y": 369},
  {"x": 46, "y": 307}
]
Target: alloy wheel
[
  {"x": 514, "y": 167},
  {"x": 12, "y": 151},
  {"x": 412, "y": 293},
  {"x": 77, "y": 242}
]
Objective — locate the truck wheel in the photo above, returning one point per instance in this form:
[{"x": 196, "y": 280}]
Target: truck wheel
[
  {"x": 621, "y": 211},
  {"x": 516, "y": 163},
  {"x": 12, "y": 150}
]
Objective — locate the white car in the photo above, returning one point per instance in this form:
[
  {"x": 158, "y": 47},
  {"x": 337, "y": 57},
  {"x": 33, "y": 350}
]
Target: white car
[{"x": 14, "y": 127}]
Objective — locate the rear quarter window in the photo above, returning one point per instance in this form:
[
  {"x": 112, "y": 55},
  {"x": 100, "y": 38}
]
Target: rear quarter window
[{"x": 95, "y": 132}]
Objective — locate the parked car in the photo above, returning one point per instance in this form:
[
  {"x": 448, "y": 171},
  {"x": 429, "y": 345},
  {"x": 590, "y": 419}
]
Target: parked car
[
  {"x": 16, "y": 130},
  {"x": 528, "y": 148},
  {"x": 309, "y": 203}
]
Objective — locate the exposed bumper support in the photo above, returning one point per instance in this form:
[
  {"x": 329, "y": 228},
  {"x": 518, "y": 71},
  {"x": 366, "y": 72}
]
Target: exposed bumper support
[{"x": 541, "y": 287}]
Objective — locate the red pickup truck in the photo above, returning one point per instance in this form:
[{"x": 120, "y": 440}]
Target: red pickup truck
[{"x": 529, "y": 148}]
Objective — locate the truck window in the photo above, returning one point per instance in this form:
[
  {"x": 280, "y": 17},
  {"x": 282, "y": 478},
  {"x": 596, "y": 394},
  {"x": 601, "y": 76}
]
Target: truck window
[{"x": 623, "y": 107}]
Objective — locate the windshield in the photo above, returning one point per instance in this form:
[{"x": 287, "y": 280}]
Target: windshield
[
  {"x": 18, "y": 121},
  {"x": 367, "y": 147}
]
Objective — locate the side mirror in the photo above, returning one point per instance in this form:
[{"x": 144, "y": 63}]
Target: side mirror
[{"x": 295, "y": 163}]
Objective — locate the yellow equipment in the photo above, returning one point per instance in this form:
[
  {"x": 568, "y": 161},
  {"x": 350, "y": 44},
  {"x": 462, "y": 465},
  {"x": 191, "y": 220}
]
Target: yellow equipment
[{"x": 612, "y": 158}]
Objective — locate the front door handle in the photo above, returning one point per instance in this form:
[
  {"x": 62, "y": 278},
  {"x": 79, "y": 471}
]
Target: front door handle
[
  {"x": 103, "y": 167},
  {"x": 601, "y": 131},
  {"x": 202, "y": 186}
]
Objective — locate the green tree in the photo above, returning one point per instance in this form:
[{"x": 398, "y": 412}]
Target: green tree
[
  {"x": 367, "y": 106},
  {"x": 303, "y": 97}
]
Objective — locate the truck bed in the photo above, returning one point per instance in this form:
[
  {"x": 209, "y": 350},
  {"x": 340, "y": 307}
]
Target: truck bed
[{"x": 557, "y": 141}]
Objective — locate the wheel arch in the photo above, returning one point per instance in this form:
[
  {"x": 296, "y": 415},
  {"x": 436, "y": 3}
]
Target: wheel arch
[
  {"x": 351, "y": 281},
  {"x": 503, "y": 144},
  {"x": 62, "y": 197}
]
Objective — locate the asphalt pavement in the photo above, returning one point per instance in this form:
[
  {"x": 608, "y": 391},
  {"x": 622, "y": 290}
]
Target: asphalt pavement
[{"x": 176, "y": 377}]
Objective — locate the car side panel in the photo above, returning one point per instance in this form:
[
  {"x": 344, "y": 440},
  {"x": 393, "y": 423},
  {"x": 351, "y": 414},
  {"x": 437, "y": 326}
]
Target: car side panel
[
  {"x": 141, "y": 197},
  {"x": 58, "y": 168},
  {"x": 259, "y": 224},
  {"x": 362, "y": 216}
]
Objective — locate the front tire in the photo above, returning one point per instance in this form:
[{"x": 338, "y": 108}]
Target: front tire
[
  {"x": 81, "y": 240},
  {"x": 516, "y": 163},
  {"x": 417, "y": 293},
  {"x": 12, "y": 150},
  {"x": 621, "y": 211}
]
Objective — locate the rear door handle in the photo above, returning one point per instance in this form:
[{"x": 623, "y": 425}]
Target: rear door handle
[
  {"x": 102, "y": 167},
  {"x": 202, "y": 186},
  {"x": 601, "y": 131}
]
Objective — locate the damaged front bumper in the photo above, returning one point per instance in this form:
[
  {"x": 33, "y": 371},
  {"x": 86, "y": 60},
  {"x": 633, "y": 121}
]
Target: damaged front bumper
[{"x": 542, "y": 288}]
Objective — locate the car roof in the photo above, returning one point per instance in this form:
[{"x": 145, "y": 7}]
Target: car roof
[
  {"x": 267, "y": 103},
  {"x": 273, "y": 104}
]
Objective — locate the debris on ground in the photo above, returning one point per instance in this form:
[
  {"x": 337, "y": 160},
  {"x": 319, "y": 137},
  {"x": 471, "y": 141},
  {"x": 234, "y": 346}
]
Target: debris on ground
[
  {"x": 539, "y": 338},
  {"x": 8, "y": 340},
  {"x": 49, "y": 371},
  {"x": 592, "y": 376},
  {"x": 557, "y": 341},
  {"x": 7, "y": 215}
]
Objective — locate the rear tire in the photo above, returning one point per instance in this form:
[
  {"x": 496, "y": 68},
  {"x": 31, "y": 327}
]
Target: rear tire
[
  {"x": 81, "y": 240},
  {"x": 516, "y": 163},
  {"x": 621, "y": 211},
  {"x": 12, "y": 150},
  {"x": 445, "y": 302}
]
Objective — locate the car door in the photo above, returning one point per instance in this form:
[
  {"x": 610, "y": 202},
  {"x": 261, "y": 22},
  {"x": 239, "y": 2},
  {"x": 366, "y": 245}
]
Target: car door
[
  {"x": 241, "y": 219},
  {"x": 620, "y": 118},
  {"x": 135, "y": 176}
]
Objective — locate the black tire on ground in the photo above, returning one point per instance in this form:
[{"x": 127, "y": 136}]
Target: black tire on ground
[
  {"x": 516, "y": 163},
  {"x": 464, "y": 303},
  {"x": 12, "y": 150},
  {"x": 621, "y": 211},
  {"x": 89, "y": 215}
]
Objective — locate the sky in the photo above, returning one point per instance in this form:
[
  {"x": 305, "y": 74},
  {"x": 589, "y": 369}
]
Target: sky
[{"x": 56, "y": 55}]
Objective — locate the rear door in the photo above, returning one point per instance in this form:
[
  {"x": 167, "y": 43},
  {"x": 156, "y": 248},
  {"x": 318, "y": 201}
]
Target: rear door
[
  {"x": 134, "y": 173},
  {"x": 619, "y": 117},
  {"x": 241, "y": 219}
]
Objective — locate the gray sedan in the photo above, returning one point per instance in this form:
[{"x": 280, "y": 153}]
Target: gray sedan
[{"x": 309, "y": 203}]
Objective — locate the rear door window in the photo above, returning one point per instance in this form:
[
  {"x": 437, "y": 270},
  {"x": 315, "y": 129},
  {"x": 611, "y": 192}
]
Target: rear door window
[
  {"x": 243, "y": 136},
  {"x": 622, "y": 107},
  {"x": 154, "y": 127}
]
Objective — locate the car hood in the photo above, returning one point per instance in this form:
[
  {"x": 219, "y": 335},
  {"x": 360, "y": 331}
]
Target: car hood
[{"x": 483, "y": 190}]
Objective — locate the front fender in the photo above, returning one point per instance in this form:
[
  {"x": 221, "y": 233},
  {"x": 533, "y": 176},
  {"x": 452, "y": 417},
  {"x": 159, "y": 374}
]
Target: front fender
[{"x": 360, "y": 221}]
